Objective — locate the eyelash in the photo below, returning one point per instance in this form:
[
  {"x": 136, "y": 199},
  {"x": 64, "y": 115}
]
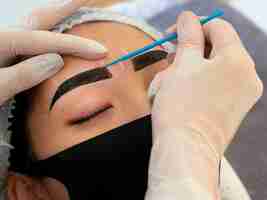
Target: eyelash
[{"x": 85, "y": 119}]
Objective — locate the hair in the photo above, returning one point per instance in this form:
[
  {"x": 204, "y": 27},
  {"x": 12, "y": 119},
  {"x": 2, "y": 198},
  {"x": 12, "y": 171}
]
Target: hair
[{"x": 20, "y": 156}]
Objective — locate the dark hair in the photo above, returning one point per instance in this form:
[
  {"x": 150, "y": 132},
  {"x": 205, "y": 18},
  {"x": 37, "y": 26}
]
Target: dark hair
[{"x": 20, "y": 157}]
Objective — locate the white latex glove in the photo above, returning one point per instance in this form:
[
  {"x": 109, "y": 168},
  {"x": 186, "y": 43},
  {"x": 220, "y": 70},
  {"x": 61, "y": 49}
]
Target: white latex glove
[
  {"x": 198, "y": 106},
  {"x": 24, "y": 41}
]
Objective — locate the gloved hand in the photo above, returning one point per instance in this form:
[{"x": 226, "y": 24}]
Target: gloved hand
[
  {"x": 26, "y": 42},
  {"x": 198, "y": 105}
]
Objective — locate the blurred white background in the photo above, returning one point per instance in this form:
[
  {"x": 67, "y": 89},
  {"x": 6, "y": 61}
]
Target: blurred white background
[
  {"x": 254, "y": 9},
  {"x": 12, "y": 11}
]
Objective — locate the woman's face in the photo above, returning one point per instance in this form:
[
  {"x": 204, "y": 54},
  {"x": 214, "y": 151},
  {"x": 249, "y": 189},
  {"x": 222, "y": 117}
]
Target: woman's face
[
  {"x": 88, "y": 110},
  {"x": 111, "y": 99}
]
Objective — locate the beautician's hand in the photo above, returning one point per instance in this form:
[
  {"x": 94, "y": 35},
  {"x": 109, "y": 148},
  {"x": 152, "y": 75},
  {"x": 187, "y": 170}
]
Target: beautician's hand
[
  {"x": 198, "y": 106},
  {"x": 24, "y": 41},
  {"x": 211, "y": 96}
]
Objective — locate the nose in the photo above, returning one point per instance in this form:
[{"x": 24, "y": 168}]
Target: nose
[
  {"x": 130, "y": 93},
  {"x": 121, "y": 68}
]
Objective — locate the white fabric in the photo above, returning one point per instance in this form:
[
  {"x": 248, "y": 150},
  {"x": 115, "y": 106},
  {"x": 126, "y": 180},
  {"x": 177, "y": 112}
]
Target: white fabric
[
  {"x": 143, "y": 9},
  {"x": 95, "y": 14}
]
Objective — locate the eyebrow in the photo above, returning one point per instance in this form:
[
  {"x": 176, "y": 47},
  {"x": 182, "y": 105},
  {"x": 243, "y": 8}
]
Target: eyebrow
[
  {"x": 87, "y": 77},
  {"x": 102, "y": 73},
  {"x": 149, "y": 58}
]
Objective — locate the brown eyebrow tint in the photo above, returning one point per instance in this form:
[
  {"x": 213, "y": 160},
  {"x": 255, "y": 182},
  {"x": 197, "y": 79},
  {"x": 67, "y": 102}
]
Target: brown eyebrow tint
[
  {"x": 83, "y": 78},
  {"x": 102, "y": 73},
  {"x": 149, "y": 58}
]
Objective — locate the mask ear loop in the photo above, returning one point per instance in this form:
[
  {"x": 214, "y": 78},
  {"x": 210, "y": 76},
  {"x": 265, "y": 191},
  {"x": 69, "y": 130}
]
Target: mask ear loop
[{"x": 220, "y": 171}]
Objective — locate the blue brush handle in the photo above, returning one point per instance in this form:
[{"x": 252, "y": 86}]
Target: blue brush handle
[{"x": 170, "y": 37}]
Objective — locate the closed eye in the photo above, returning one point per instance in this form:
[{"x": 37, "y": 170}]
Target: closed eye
[
  {"x": 83, "y": 78},
  {"x": 90, "y": 116}
]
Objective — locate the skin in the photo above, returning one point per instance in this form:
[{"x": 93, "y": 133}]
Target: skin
[
  {"x": 102, "y": 3},
  {"x": 126, "y": 92}
]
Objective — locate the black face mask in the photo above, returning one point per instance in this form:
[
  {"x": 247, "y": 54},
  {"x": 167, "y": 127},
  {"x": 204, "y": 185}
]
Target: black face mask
[{"x": 113, "y": 165}]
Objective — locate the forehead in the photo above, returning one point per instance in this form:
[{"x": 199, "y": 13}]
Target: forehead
[
  {"x": 118, "y": 38},
  {"x": 112, "y": 33}
]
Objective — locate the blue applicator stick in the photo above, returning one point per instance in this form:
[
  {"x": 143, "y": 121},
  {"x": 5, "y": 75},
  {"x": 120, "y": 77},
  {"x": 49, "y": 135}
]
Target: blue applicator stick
[{"x": 168, "y": 38}]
